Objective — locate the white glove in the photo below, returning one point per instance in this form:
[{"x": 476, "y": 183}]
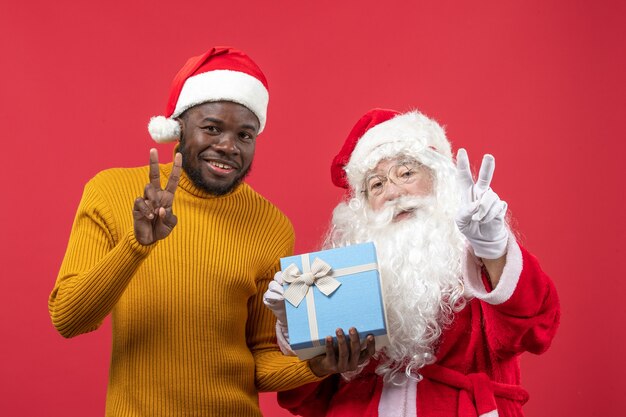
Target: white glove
[
  {"x": 274, "y": 299},
  {"x": 481, "y": 215}
]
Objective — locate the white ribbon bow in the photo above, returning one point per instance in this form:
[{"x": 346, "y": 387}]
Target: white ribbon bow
[{"x": 299, "y": 282}]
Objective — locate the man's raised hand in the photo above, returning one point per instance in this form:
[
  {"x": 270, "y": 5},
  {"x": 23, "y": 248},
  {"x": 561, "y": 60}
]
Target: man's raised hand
[{"x": 152, "y": 213}]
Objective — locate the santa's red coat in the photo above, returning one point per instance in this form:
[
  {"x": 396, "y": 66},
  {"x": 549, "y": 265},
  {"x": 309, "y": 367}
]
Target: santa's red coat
[{"x": 477, "y": 371}]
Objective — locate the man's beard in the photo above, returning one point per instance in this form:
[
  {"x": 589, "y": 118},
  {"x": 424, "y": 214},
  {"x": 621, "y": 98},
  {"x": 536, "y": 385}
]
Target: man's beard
[
  {"x": 195, "y": 175},
  {"x": 420, "y": 265}
]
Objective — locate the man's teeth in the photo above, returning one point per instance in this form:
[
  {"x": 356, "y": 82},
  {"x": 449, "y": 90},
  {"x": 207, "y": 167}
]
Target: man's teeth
[{"x": 220, "y": 165}]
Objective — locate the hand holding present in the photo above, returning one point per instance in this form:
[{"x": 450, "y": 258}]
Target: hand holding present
[{"x": 346, "y": 356}]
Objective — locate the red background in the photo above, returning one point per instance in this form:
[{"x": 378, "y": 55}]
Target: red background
[{"x": 538, "y": 84}]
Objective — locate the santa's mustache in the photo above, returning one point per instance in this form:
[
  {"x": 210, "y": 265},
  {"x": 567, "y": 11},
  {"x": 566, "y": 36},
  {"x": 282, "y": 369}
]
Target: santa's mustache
[{"x": 403, "y": 204}]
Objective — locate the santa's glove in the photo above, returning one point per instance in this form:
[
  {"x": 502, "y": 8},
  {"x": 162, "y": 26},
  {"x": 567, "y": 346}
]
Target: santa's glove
[
  {"x": 275, "y": 301},
  {"x": 481, "y": 215}
]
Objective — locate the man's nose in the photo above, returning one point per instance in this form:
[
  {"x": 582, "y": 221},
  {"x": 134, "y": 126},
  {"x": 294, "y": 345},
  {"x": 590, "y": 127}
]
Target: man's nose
[{"x": 227, "y": 143}]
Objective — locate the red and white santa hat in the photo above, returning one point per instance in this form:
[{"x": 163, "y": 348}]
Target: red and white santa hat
[
  {"x": 220, "y": 74},
  {"x": 382, "y": 134}
]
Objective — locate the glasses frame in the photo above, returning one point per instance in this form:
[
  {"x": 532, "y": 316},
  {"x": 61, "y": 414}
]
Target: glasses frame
[{"x": 410, "y": 164}]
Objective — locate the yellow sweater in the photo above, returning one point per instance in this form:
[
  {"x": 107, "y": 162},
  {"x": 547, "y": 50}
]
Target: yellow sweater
[{"x": 191, "y": 336}]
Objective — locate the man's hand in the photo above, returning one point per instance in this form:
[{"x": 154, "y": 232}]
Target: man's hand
[
  {"x": 481, "y": 216},
  {"x": 346, "y": 356},
  {"x": 152, "y": 213}
]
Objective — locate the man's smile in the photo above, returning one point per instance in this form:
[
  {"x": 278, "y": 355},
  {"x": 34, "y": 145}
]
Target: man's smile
[{"x": 220, "y": 167}]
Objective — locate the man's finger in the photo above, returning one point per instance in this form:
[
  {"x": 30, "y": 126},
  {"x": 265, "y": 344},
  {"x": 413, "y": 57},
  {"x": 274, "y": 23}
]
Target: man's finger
[
  {"x": 370, "y": 349},
  {"x": 168, "y": 218},
  {"x": 330, "y": 350},
  {"x": 486, "y": 173},
  {"x": 463, "y": 172},
  {"x": 155, "y": 175},
  {"x": 172, "y": 181},
  {"x": 355, "y": 348},
  {"x": 151, "y": 197},
  {"x": 342, "y": 351},
  {"x": 142, "y": 209}
]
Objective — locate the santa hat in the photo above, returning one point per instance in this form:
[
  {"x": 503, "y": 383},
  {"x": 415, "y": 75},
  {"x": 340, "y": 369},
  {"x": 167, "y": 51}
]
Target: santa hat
[
  {"x": 220, "y": 74},
  {"x": 382, "y": 134}
]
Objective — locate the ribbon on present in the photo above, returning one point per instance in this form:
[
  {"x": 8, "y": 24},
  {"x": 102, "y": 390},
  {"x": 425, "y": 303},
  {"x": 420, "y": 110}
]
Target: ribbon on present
[
  {"x": 300, "y": 282},
  {"x": 320, "y": 274}
]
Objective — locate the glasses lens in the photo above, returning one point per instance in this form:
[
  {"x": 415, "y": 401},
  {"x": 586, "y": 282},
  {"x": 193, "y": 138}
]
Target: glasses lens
[
  {"x": 403, "y": 173},
  {"x": 375, "y": 185}
]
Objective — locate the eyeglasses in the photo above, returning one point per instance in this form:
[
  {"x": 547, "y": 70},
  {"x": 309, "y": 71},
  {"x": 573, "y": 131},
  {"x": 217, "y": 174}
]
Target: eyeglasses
[{"x": 401, "y": 173}]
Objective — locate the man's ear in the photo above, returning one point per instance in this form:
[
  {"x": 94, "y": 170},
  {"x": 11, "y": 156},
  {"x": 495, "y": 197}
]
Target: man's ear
[{"x": 181, "y": 123}]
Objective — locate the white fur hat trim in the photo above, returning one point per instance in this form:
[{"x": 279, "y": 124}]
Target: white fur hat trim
[{"x": 406, "y": 134}]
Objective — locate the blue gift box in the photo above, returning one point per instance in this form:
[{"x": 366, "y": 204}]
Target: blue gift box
[{"x": 335, "y": 288}]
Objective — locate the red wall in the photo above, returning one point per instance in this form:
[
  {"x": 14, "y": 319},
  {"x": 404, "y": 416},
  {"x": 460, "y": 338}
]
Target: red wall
[{"x": 540, "y": 85}]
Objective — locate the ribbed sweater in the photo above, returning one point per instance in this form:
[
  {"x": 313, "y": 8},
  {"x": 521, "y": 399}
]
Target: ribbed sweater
[{"x": 191, "y": 336}]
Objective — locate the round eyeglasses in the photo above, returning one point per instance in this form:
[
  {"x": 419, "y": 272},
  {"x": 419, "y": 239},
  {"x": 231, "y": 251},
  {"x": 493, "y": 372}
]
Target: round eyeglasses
[{"x": 402, "y": 173}]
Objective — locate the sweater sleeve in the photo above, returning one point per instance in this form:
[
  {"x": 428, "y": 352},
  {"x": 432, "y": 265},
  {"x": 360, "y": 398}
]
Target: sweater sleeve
[
  {"x": 274, "y": 371},
  {"x": 96, "y": 268},
  {"x": 522, "y": 313}
]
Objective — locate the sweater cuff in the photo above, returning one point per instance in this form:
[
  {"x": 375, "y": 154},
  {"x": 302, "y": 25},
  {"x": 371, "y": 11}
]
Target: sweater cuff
[
  {"x": 135, "y": 247},
  {"x": 472, "y": 272}
]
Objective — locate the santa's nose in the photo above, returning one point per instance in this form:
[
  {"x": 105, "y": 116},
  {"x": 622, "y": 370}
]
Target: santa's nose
[{"x": 393, "y": 191}]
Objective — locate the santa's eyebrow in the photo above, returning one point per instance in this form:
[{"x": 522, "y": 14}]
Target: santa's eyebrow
[{"x": 372, "y": 176}]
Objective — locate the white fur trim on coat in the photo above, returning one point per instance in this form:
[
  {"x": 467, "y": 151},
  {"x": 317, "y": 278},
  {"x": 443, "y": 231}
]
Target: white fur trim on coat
[{"x": 508, "y": 281}]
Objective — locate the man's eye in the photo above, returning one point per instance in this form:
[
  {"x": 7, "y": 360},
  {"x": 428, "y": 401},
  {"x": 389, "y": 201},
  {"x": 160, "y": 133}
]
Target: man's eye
[
  {"x": 246, "y": 137},
  {"x": 211, "y": 129}
]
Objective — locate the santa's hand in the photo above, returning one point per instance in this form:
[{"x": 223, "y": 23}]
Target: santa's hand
[
  {"x": 481, "y": 216},
  {"x": 275, "y": 300}
]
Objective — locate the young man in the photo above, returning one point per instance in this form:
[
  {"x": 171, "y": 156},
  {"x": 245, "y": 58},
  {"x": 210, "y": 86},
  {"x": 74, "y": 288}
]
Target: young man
[
  {"x": 182, "y": 269},
  {"x": 463, "y": 298}
]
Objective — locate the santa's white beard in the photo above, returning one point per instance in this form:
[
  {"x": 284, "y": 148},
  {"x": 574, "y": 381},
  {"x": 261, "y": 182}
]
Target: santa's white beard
[{"x": 420, "y": 264}]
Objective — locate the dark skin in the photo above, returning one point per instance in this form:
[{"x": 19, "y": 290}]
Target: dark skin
[
  {"x": 218, "y": 141},
  {"x": 345, "y": 356},
  {"x": 152, "y": 213}
]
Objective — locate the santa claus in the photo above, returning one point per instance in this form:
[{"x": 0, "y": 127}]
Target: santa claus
[{"x": 463, "y": 298}]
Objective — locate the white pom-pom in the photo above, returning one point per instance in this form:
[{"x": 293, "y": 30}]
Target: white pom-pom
[{"x": 163, "y": 129}]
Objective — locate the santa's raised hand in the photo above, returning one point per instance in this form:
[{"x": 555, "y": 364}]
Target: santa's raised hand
[
  {"x": 152, "y": 213},
  {"x": 481, "y": 215}
]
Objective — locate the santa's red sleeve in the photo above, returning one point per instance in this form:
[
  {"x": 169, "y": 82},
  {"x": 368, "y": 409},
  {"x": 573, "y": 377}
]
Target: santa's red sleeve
[{"x": 522, "y": 313}]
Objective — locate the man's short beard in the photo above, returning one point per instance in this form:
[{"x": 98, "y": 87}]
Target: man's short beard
[
  {"x": 195, "y": 175},
  {"x": 420, "y": 264}
]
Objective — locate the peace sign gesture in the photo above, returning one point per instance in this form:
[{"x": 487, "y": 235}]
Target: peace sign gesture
[
  {"x": 152, "y": 213},
  {"x": 481, "y": 215}
]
